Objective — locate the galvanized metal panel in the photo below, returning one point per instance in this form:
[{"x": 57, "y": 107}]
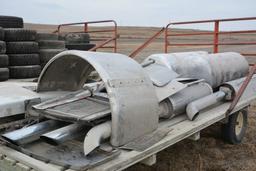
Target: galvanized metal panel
[
  {"x": 84, "y": 110},
  {"x": 132, "y": 95},
  {"x": 160, "y": 75},
  {"x": 13, "y": 97},
  {"x": 169, "y": 89}
]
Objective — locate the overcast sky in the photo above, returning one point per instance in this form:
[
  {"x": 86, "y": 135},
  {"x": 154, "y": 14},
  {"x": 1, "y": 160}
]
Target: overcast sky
[{"x": 129, "y": 12}]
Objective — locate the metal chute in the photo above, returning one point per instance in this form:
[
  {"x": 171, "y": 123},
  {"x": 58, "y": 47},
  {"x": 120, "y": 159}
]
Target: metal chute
[{"x": 32, "y": 133}]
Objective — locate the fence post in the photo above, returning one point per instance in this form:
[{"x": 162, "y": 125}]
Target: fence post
[
  {"x": 166, "y": 39},
  {"x": 85, "y": 27},
  {"x": 216, "y": 37}
]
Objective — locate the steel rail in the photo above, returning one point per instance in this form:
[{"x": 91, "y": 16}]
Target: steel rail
[
  {"x": 86, "y": 30},
  {"x": 146, "y": 43},
  {"x": 102, "y": 44},
  {"x": 216, "y": 32}
]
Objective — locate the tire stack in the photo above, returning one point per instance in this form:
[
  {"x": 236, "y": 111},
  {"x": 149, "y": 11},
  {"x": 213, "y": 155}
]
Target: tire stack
[
  {"x": 22, "y": 50},
  {"x": 4, "y": 71},
  {"x": 5, "y": 23},
  {"x": 77, "y": 41},
  {"x": 49, "y": 46}
]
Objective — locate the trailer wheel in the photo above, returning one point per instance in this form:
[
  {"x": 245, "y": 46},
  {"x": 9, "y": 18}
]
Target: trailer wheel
[{"x": 234, "y": 130}]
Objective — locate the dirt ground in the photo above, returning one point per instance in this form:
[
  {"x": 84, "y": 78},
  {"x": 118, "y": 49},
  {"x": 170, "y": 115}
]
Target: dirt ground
[{"x": 210, "y": 153}]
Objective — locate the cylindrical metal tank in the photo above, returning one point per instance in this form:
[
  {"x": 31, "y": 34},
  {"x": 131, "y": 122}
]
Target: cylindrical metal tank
[
  {"x": 227, "y": 66},
  {"x": 215, "y": 69}
]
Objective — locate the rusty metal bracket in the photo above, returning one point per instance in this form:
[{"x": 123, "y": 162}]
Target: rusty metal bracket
[
  {"x": 102, "y": 44},
  {"x": 145, "y": 44},
  {"x": 241, "y": 90}
]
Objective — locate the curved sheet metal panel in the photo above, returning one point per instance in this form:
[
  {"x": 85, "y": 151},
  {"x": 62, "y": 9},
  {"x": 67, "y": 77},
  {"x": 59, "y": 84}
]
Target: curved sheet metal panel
[{"x": 132, "y": 95}]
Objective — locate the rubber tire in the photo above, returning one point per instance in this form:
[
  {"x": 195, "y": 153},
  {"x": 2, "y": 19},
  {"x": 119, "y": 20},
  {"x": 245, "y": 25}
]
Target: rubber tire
[
  {"x": 80, "y": 46},
  {"x": 4, "y": 74},
  {"x": 62, "y": 36},
  {"x": 19, "y": 34},
  {"x": 1, "y": 33},
  {"x": 46, "y": 36},
  {"x": 19, "y": 72},
  {"x": 2, "y": 47},
  {"x": 22, "y": 47},
  {"x": 228, "y": 129},
  {"x": 4, "y": 61},
  {"x": 51, "y": 44},
  {"x": 75, "y": 38},
  {"x": 47, "y": 54},
  {"x": 24, "y": 59},
  {"x": 11, "y": 22}
]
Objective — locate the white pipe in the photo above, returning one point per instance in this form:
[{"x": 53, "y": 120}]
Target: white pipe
[
  {"x": 94, "y": 137},
  {"x": 194, "y": 107}
]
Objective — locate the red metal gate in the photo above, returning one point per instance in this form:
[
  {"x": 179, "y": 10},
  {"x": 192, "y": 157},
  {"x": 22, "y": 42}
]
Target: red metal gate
[
  {"x": 103, "y": 41},
  {"x": 216, "y": 32}
]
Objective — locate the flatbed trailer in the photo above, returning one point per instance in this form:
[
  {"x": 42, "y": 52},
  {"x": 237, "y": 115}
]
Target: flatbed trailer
[{"x": 178, "y": 129}]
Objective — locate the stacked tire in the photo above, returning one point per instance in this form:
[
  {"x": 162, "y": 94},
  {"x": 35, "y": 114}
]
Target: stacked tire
[
  {"x": 49, "y": 46},
  {"x": 6, "y": 22},
  {"x": 22, "y": 50},
  {"x": 11, "y": 22},
  {"x": 4, "y": 71},
  {"x": 77, "y": 41}
]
